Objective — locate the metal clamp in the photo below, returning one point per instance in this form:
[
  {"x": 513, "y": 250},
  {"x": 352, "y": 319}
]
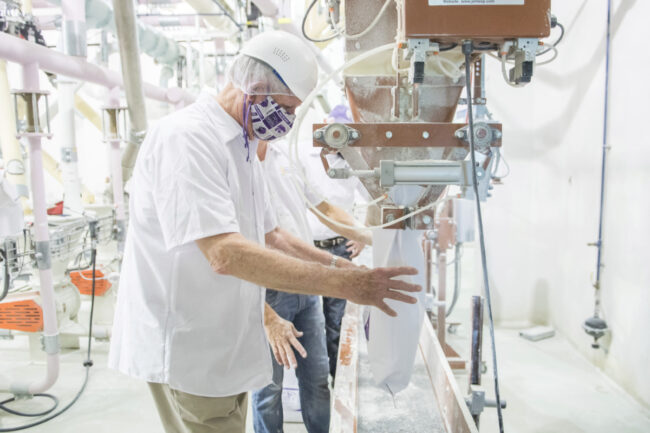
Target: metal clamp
[
  {"x": 43, "y": 255},
  {"x": 50, "y": 344},
  {"x": 336, "y": 135}
]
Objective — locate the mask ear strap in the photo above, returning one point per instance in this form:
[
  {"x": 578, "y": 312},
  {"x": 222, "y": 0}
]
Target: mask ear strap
[{"x": 245, "y": 112}]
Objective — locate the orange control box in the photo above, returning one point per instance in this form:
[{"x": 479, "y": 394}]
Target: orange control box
[{"x": 480, "y": 20}]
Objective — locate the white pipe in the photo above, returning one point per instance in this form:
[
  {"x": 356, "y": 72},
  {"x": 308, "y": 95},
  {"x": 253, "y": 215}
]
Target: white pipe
[
  {"x": 25, "y": 52},
  {"x": 132, "y": 74},
  {"x": 42, "y": 239},
  {"x": 11, "y": 152},
  {"x": 67, "y": 138},
  {"x": 74, "y": 44},
  {"x": 199, "y": 31}
]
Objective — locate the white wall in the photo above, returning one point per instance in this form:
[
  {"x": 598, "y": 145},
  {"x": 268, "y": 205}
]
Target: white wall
[{"x": 539, "y": 223}]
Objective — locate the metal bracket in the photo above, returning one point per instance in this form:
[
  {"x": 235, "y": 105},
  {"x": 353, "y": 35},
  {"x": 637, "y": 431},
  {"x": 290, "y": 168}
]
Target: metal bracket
[
  {"x": 418, "y": 48},
  {"x": 476, "y": 401},
  {"x": 50, "y": 344},
  {"x": 68, "y": 155},
  {"x": 525, "y": 51},
  {"x": 484, "y": 186},
  {"x": 484, "y": 135},
  {"x": 120, "y": 231},
  {"x": 336, "y": 135},
  {"x": 43, "y": 255}
]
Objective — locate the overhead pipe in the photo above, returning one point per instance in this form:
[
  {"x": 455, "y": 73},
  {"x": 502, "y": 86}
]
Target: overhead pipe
[
  {"x": 24, "y": 52},
  {"x": 99, "y": 14},
  {"x": 218, "y": 14},
  {"x": 132, "y": 74}
]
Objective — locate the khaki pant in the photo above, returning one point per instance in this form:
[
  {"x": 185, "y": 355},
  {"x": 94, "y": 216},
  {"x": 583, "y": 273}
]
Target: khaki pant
[{"x": 187, "y": 413}]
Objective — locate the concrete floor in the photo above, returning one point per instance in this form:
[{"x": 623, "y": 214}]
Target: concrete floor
[{"x": 548, "y": 385}]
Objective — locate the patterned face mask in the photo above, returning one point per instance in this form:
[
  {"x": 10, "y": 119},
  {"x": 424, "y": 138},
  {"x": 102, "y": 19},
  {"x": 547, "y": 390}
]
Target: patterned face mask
[{"x": 270, "y": 121}]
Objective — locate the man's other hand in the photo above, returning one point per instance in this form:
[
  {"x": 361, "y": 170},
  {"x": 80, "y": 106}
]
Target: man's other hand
[
  {"x": 354, "y": 248},
  {"x": 283, "y": 338}
]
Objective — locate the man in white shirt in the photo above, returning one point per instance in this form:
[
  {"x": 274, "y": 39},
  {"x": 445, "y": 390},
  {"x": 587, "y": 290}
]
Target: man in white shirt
[
  {"x": 190, "y": 316},
  {"x": 288, "y": 189}
]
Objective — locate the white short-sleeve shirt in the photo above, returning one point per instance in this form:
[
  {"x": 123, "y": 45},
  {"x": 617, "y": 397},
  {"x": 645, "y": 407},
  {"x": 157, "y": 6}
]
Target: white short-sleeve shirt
[
  {"x": 340, "y": 192},
  {"x": 288, "y": 190},
  {"x": 177, "y": 321}
]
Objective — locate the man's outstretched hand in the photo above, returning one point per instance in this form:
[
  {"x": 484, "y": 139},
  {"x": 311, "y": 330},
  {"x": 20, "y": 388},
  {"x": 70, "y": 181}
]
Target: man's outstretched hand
[{"x": 372, "y": 286}]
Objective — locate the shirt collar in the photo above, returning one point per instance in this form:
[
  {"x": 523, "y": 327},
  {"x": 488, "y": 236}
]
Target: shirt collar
[{"x": 225, "y": 125}]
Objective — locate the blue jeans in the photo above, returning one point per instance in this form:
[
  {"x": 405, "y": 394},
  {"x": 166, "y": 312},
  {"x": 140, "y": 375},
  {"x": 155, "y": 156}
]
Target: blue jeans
[
  {"x": 333, "y": 310},
  {"x": 306, "y": 315}
]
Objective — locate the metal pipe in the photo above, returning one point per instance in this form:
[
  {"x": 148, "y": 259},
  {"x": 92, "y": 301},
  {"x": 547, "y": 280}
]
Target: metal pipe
[
  {"x": 428, "y": 263},
  {"x": 25, "y": 52},
  {"x": 74, "y": 44},
  {"x": 603, "y": 170},
  {"x": 11, "y": 152},
  {"x": 457, "y": 257},
  {"x": 442, "y": 293},
  {"x": 132, "y": 75},
  {"x": 476, "y": 358},
  {"x": 116, "y": 170}
]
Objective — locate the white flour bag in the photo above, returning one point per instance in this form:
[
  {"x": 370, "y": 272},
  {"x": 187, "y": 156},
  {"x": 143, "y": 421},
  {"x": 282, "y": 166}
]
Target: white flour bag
[{"x": 393, "y": 341}]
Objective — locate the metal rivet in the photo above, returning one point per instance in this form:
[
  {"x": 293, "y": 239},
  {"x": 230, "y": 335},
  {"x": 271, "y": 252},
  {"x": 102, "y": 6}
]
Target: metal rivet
[
  {"x": 390, "y": 218},
  {"x": 389, "y": 134},
  {"x": 459, "y": 134},
  {"x": 318, "y": 134},
  {"x": 426, "y": 219},
  {"x": 355, "y": 134},
  {"x": 425, "y": 135}
]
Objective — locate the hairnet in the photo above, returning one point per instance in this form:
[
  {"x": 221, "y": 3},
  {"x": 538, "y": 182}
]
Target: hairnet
[{"x": 255, "y": 77}]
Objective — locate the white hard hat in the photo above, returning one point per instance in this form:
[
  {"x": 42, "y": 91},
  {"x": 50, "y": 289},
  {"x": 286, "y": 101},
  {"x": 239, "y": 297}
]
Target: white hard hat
[{"x": 289, "y": 56}]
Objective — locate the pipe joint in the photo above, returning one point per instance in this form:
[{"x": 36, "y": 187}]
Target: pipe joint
[
  {"x": 74, "y": 38},
  {"x": 20, "y": 389},
  {"x": 50, "y": 344}
]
